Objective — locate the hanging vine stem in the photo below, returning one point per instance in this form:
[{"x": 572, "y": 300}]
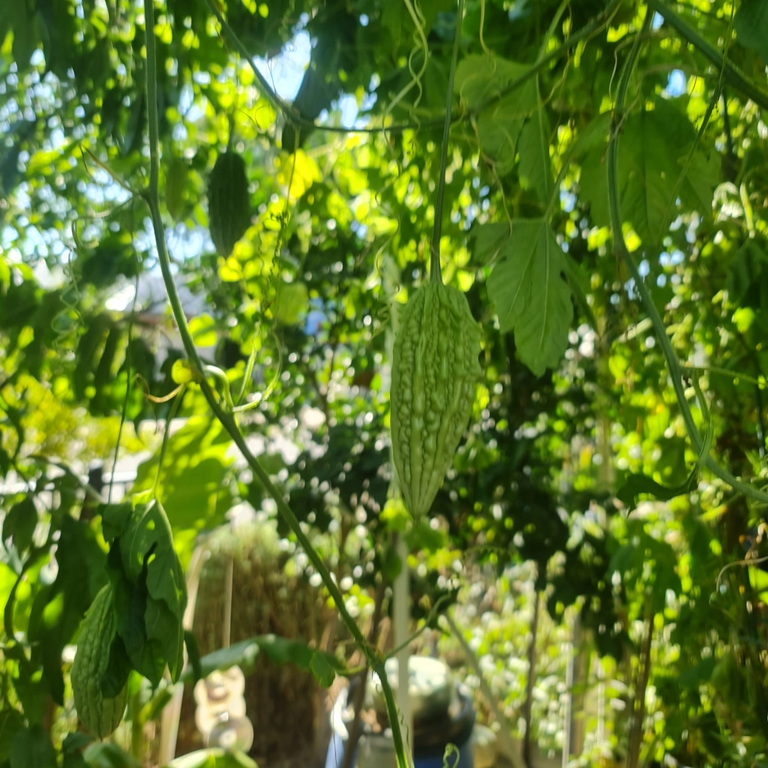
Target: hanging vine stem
[
  {"x": 621, "y": 250},
  {"x": 174, "y": 409},
  {"x": 435, "y": 272},
  {"x": 152, "y": 198}
]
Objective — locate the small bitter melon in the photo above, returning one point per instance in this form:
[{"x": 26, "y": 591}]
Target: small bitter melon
[
  {"x": 229, "y": 207},
  {"x": 99, "y": 714}
]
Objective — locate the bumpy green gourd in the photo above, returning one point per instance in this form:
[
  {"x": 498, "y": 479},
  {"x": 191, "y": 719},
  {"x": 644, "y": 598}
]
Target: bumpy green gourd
[
  {"x": 434, "y": 369},
  {"x": 98, "y": 714},
  {"x": 228, "y": 202}
]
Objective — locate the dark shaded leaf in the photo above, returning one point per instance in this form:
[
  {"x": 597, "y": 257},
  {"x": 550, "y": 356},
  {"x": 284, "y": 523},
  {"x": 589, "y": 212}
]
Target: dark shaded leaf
[
  {"x": 193, "y": 654},
  {"x": 530, "y": 295},
  {"x": 11, "y": 722},
  {"x": 638, "y": 485},
  {"x": 32, "y": 748},
  {"x": 751, "y": 25},
  {"x": 150, "y": 591},
  {"x": 20, "y": 523}
]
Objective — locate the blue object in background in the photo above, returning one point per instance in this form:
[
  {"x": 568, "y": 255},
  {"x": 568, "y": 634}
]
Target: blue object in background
[
  {"x": 426, "y": 759},
  {"x": 431, "y": 740},
  {"x": 444, "y": 719}
]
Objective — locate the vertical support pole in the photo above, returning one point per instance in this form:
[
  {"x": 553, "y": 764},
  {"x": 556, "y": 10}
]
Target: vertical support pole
[
  {"x": 600, "y": 702},
  {"x": 401, "y": 615},
  {"x": 580, "y": 678},
  {"x": 573, "y": 743},
  {"x": 568, "y": 712},
  {"x": 169, "y": 720},
  {"x": 528, "y": 744}
]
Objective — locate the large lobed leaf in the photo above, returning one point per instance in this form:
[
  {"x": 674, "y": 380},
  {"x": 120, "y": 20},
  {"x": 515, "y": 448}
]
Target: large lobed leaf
[
  {"x": 150, "y": 591},
  {"x": 515, "y": 123},
  {"x": 530, "y": 295},
  {"x": 191, "y": 481},
  {"x": 654, "y": 148}
]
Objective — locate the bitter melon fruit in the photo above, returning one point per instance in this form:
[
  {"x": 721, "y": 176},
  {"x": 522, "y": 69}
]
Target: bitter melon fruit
[
  {"x": 100, "y": 715},
  {"x": 434, "y": 370}
]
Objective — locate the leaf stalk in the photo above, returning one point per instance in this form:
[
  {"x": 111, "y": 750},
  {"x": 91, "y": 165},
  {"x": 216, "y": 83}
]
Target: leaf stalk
[{"x": 151, "y": 196}]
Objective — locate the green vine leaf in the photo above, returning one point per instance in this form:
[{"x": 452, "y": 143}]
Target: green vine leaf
[
  {"x": 59, "y": 607},
  {"x": 150, "y": 591},
  {"x": 751, "y": 25},
  {"x": 480, "y": 78},
  {"x": 632, "y": 560},
  {"x": 192, "y": 481},
  {"x": 20, "y": 523},
  {"x": 653, "y": 151},
  {"x": 32, "y": 748},
  {"x": 279, "y": 650},
  {"x": 748, "y": 276},
  {"x": 11, "y": 722},
  {"x": 489, "y": 240},
  {"x": 107, "y": 753},
  {"x": 292, "y": 301},
  {"x": 637, "y": 485},
  {"x": 535, "y": 168},
  {"x": 530, "y": 295}
]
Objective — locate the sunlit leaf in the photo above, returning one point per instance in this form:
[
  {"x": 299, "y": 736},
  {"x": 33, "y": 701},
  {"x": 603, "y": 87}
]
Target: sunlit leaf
[{"x": 530, "y": 296}]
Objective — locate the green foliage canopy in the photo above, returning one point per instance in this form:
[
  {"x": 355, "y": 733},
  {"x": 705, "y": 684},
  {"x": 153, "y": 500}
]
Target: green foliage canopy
[{"x": 575, "y": 419}]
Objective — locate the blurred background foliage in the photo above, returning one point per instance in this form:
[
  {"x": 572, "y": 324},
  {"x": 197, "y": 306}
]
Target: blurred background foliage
[{"x": 341, "y": 142}]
